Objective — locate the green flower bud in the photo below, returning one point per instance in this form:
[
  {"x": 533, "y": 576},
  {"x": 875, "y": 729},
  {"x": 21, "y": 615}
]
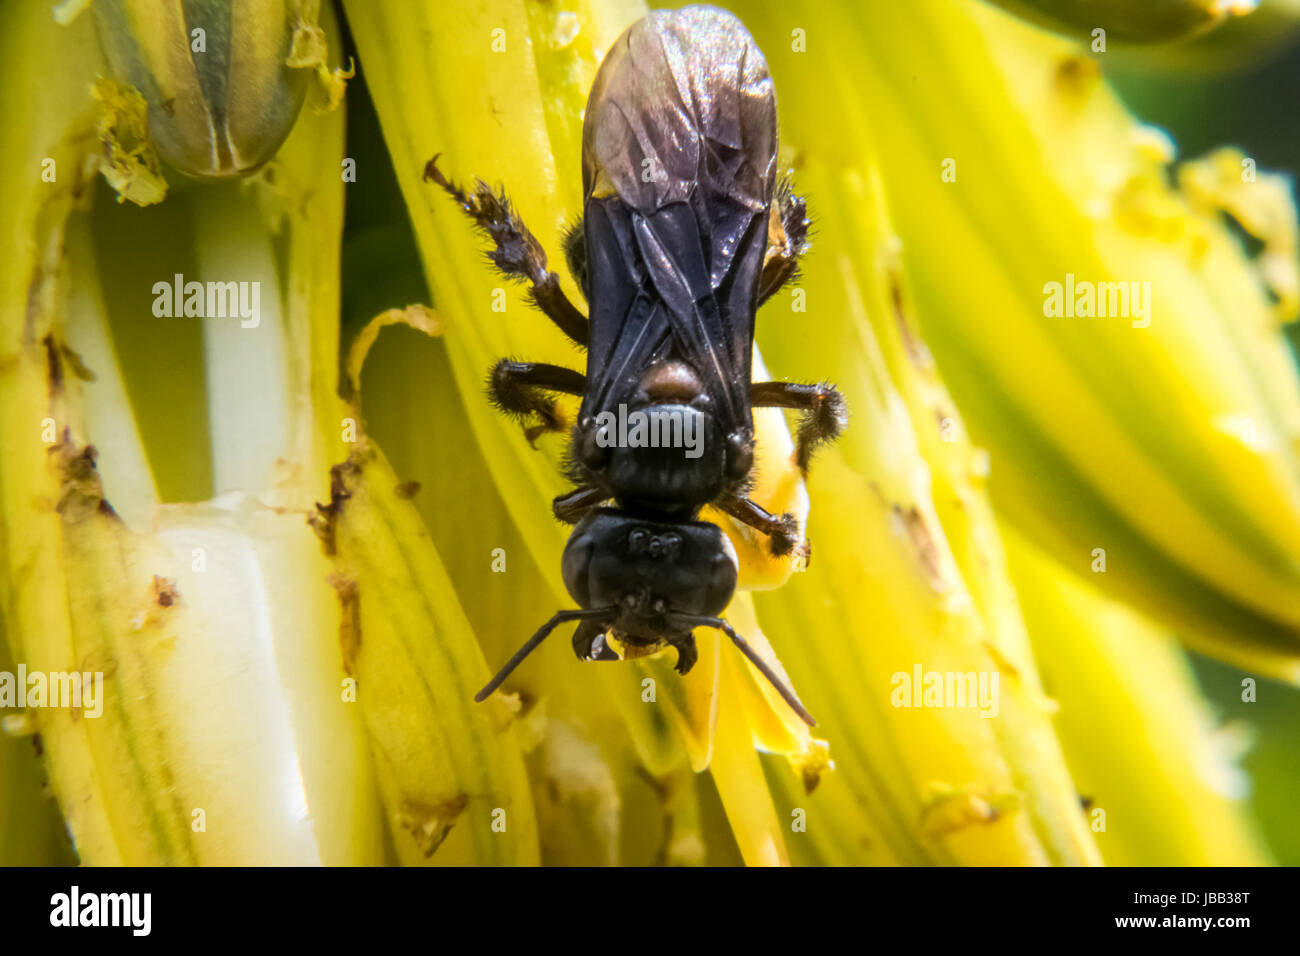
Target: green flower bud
[{"x": 215, "y": 74}]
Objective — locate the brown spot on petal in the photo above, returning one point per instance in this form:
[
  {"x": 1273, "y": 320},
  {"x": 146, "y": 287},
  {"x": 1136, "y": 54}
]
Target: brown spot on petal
[
  {"x": 54, "y": 365},
  {"x": 952, "y": 810},
  {"x": 1076, "y": 77},
  {"x": 325, "y": 519},
  {"x": 429, "y": 824},
  {"x": 350, "y": 622},
  {"x": 164, "y": 591},
  {"x": 1003, "y": 662},
  {"x": 923, "y": 543},
  {"x": 81, "y": 493},
  {"x": 75, "y": 363},
  {"x": 916, "y": 352},
  {"x": 98, "y": 662},
  {"x": 33, "y": 310}
]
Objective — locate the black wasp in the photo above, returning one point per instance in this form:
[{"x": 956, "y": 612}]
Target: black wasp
[{"x": 685, "y": 232}]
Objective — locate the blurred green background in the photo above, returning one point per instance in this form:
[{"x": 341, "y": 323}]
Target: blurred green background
[{"x": 1238, "y": 87}]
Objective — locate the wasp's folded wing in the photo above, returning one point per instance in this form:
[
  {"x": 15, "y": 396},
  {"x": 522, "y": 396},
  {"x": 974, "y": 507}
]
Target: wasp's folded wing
[
  {"x": 652, "y": 291},
  {"x": 712, "y": 328},
  {"x": 679, "y": 154},
  {"x": 629, "y": 324}
]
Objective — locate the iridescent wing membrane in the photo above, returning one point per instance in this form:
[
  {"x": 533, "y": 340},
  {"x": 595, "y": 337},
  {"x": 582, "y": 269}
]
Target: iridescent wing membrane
[{"x": 679, "y": 166}]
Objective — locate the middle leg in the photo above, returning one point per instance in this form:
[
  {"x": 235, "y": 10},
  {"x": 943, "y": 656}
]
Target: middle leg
[
  {"x": 825, "y": 413},
  {"x": 520, "y": 390}
]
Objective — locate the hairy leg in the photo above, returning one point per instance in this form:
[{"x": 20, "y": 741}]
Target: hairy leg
[
  {"x": 825, "y": 413},
  {"x": 517, "y": 252},
  {"x": 782, "y": 530},
  {"x": 520, "y": 389}
]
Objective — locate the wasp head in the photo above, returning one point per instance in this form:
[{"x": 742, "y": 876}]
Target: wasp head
[{"x": 649, "y": 571}]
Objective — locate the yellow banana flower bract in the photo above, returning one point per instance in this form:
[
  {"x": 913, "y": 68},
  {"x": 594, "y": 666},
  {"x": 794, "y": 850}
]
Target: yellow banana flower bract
[
  {"x": 1161, "y": 442},
  {"x": 1161, "y": 788},
  {"x": 229, "y": 734}
]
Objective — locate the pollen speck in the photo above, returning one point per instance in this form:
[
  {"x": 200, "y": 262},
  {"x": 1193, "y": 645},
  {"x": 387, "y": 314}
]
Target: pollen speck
[{"x": 567, "y": 27}]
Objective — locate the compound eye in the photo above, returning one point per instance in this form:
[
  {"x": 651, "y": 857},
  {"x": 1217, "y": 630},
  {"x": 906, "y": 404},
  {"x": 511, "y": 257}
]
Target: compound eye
[
  {"x": 740, "y": 455},
  {"x": 591, "y": 451},
  {"x": 722, "y": 579},
  {"x": 576, "y": 565}
]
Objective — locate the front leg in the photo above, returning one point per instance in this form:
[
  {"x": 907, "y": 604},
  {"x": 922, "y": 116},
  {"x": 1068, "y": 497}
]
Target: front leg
[
  {"x": 518, "y": 254},
  {"x": 571, "y": 507},
  {"x": 825, "y": 414}
]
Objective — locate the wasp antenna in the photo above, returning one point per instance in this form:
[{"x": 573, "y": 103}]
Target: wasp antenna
[
  {"x": 543, "y": 632},
  {"x": 787, "y": 693}
]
